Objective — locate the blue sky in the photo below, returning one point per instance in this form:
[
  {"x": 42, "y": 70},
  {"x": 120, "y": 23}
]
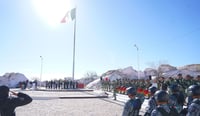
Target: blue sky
[{"x": 165, "y": 31}]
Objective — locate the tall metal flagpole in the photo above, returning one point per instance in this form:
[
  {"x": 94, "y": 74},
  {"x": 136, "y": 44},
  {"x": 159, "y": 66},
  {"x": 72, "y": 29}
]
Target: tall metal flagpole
[
  {"x": 73, "y": 68},
  {"x": 138, "y": 60}
]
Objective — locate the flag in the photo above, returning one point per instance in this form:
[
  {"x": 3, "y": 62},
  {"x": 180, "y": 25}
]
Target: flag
[{"x": 69, "y": 16}]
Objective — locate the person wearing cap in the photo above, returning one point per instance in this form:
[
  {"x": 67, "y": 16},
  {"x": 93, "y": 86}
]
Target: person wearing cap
[
  {"x": 176, "y": 98},
  {"x": 151, "y": 102},
  {"x": 8, "y": 103},
  {"x": 162, "y": 108},
  {"x": 133, "y": 105},
  {"x": 194, "y": 106}
]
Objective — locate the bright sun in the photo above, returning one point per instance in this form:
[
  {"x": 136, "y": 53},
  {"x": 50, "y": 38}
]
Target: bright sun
[{"x": 51, "y": 11}]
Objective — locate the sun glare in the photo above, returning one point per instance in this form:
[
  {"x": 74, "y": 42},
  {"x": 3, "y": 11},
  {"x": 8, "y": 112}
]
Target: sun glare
[{"x": 51, "y": 11}]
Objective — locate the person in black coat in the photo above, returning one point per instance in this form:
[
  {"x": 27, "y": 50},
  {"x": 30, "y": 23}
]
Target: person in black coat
[{"x": 8, "y": 103}]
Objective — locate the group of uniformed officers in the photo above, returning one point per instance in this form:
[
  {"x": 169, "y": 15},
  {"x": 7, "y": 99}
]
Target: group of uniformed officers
[
  {"x": 61, "y": 84},
  {"x": 161, "y": 103},
  {"x": 168, "y": 97}
]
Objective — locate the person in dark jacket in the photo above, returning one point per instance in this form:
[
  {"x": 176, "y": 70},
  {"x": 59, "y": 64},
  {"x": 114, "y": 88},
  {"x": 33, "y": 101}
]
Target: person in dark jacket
[
  {"x": 8, "y": 103},
  {"x": 133, "y": 105},
  {"x": 151, "y": 102}
]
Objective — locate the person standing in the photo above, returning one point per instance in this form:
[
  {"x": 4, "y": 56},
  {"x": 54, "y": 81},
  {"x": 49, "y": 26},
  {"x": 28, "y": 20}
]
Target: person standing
[
  {"x": 8, "y": 103},
  {"x": 163, "y": 108},
  {"x": 133, "y": 105},
  {"x": 194, "y": 107},
  {"x": 176, "y": 98},
  {"x": 152, "y": 101}
]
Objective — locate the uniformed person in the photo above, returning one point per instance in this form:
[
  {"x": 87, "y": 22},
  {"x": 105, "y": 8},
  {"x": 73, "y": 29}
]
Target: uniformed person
[
  {"x": 152, "y": 101},
  {"x": 194, "y": 107},
  {"x": 176, "y": 99},
  {"x": 8, "y": 103},
  {"x": 163, "y": 108},
  {"x": 133, "y": 105}
]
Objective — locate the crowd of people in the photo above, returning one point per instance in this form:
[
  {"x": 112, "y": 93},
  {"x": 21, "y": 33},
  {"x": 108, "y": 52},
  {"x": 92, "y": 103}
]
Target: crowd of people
[
  {"x": 162, "y": 103},
  {"x": 142, "y": 85},
  {"x": 28, "y": 84},
  {"x": 62, "y": 84},
  {"x": 50, "y": 85},
  {"x": 178, "y": 96}
]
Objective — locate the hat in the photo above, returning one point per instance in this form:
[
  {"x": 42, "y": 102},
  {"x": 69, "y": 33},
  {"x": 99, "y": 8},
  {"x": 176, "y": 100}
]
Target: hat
[{"x": 4, "y": 90}]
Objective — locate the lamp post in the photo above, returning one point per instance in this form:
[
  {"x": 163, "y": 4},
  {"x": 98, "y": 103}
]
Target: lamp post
[
  {"x": 41, "y": 58},
  {"x": 137, "y": 59}
]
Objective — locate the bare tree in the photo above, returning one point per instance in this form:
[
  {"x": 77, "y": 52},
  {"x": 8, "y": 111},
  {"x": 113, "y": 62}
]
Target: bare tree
[
  {"x": 89, "y": 77},
  {"x": 156, "y": 66}
]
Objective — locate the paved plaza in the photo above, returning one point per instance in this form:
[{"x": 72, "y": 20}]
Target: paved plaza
[{"x": 62, "y": 103}]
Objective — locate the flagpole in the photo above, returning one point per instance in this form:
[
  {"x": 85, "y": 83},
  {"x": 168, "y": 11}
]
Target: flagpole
[
  {"x": 138, "y": 60},
  {"x": 73, "y": 67}
]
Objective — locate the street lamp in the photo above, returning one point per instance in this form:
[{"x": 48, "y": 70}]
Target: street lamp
[
  {"x": 137, "y": 59},
  {"x": 41, "y": 71}
]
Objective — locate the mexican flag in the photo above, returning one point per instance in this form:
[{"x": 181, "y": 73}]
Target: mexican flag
[{"x": 69, "y": 16}]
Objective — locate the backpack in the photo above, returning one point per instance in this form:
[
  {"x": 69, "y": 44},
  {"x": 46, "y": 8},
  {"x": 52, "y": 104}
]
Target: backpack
[{"x": 173, "y": 112}]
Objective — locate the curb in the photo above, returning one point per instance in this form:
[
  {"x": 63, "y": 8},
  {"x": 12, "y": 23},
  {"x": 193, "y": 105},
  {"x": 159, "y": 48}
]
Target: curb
[
  {"x": 63, "y": 90},
  {"x": 83, "y": 97}
]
